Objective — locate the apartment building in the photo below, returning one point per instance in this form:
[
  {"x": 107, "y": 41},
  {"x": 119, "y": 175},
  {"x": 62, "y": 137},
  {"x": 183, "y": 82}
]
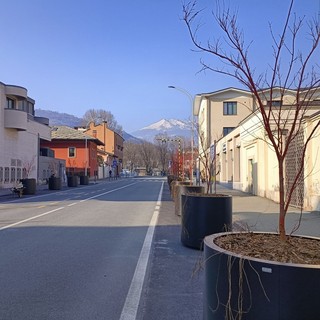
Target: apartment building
[
  {"x": 21, "y": 133},
  {"x": 246, "y": 161},
  {"x": 112, "y": 149},
  {"x": 77, "y": 149},
  {"x": 219, "y": 112}
]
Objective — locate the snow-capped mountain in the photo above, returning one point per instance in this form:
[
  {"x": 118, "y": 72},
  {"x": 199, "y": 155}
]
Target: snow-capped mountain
[{"x": 170, "y": 128}]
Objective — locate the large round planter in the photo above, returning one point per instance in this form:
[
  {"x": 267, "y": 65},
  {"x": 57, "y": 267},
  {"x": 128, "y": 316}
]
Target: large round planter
[
  {"x": 184, "y": 189},
  {"x": 30, "y": 185},
  {"x": 261, "y": 289},
  {"x": 54, "y": 183},
  {"x": 170, "y": 178},
  {"x": 84, "y": 180},
  {"x": 175, "y": 185},
  {"x": 202, "y": 215},
  {"x": 72, "y": 181}
]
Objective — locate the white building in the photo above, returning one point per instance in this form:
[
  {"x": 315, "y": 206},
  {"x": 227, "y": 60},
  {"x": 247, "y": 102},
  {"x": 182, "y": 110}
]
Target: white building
[
  {"x": 20, "y": 136},
  {"x": 245, "y": 159}
]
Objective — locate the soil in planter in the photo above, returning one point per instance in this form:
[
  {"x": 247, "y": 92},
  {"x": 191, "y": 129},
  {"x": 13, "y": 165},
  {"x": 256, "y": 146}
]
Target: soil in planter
[{"x": 270, "y": 247}]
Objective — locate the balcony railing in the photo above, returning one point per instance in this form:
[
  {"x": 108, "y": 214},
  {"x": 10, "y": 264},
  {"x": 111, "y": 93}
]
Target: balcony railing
[{"x": 15, "y": 119}]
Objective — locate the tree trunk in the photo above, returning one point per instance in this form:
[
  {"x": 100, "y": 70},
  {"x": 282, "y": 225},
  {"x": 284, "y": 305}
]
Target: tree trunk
[{"x": 282, "y": 212}]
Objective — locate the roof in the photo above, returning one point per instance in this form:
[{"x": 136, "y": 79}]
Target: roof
[
  {"x": 224, "y": 90},
  {"x": 200, "y": 96},
  {"x": 68, "y": 133}
]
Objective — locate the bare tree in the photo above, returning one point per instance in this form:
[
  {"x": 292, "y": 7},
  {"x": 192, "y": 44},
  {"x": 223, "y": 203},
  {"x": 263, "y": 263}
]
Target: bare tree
[
  {"x": 131, "y": 155},
  {"x": 147, "y": 153},
  {"x": 163, "y": 151},
  {"x": 28, "y": 166},
  {"x": 205, "y": 161},
  {"x": 99, "y": 115},
  {"x": 285, "y": 122}
]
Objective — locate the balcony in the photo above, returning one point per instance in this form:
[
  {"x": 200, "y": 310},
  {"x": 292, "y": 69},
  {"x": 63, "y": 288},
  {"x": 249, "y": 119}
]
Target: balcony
[
  {"x": 16, "y": 91},
  {"x": 15, "y": 119}
]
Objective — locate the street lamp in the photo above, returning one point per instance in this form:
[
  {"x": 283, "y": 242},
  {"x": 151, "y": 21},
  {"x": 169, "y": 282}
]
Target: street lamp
[
  {"x": 185, "y": 92},
  {"x": 86, "y": 151},
  {"x": 86, "y": 148}
]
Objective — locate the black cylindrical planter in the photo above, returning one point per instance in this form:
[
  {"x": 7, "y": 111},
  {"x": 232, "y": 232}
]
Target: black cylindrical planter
[
  {"x": 72, "y": 181},
  {"x": 202, "y": 215},
  {"x": 184, "y": 189},
  {"x": 54, "y": 183},
  {"x": 170, "y": 178},
  {"x": 175, "y": 185},
  {"x": 30, "y": 186},
  {"x": 267, "y": 289},
  {"x": 84, "y": 180}
]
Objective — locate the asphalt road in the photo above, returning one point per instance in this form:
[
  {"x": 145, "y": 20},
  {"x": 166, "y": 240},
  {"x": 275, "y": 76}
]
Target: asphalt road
[{"x": 76, "y": 253}]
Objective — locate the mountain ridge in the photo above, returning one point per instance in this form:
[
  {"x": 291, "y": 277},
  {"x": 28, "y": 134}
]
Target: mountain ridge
[{"x": 169, "y": 127}]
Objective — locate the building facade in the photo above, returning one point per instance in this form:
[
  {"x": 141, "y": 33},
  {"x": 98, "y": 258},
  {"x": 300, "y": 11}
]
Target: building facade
[
  {"x": 246, "y": 161},
  {"x": 21, "y": 134},
  {"x": 78, "y": 149},
  {"x": 112, "y": 149}
]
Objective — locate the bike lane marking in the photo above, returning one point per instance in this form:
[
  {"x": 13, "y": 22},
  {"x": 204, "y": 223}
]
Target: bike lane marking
[{"x": 130, "y": 308}]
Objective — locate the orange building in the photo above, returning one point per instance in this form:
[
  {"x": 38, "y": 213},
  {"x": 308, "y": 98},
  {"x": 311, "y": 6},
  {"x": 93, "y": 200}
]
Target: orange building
[
  {"x": 111, "y": 149},
  {"x": 79, "y": 150}
]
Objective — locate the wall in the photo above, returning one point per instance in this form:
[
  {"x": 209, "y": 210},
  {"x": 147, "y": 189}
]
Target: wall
[{"x": 19, "y": 148}]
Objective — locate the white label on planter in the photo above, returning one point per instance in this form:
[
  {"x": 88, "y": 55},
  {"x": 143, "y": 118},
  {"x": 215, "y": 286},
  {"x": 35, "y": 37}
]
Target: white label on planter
[{"x": 268, "y": 270}]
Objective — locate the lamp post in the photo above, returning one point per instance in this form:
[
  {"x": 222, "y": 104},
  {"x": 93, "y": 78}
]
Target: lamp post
[
  {"x": 185, "y": 92},
  {"x": 86, "y": 150}
]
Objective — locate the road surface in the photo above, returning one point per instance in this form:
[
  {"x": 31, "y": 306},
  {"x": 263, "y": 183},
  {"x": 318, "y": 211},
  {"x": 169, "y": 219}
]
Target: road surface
[{"x": 79, "y": 253}]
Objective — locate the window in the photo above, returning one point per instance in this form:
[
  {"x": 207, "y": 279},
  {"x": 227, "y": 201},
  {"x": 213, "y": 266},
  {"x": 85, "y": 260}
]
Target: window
[
  {"x": 30, "y": 108},
  {"x": 13, "y": 175},
  {"x": 19, "y": 173},
  {"x": 275, "y": 103},
  {"x": 72, "y": 152},
  {"x": 22, "y": 105},
  {"x": 6, "y": 174},
  {"x": 10, "y": 103},
  {"x": 227, "y": 130},
  {"x": 230, "y": 108}
]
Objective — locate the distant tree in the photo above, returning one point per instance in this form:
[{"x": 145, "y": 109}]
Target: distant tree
[
  {"x": 28, "y": 166},
  {"x": 99, "y": 115},
  {"x": 147, "y": 153},
  {"x": 163, "y": 151},
  {"x": 131, "y": 157}
]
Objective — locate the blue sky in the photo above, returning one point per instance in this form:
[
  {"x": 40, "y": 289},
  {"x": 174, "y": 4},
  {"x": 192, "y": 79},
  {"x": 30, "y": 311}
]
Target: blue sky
[{"x": 121, "y": 56}]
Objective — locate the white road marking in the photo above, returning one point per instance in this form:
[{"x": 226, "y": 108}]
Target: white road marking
[
  {"x": 60, "y": 208},
  {"x": 72, "y": 204},
  {"x": 130, "y": 308},
  {"x": 29, "y": 219},
  {"x": 101, "y": 194}
]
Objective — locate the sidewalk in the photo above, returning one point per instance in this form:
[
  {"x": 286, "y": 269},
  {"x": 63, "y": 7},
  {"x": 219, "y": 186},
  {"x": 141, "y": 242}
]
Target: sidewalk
[
  {"x": 6, "y": 193},
  {"x": 174, "y": 282}
]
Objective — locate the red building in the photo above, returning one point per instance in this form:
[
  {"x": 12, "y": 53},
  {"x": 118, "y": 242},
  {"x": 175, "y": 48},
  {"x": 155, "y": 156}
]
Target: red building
[{"x": 79, "y": 150}]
